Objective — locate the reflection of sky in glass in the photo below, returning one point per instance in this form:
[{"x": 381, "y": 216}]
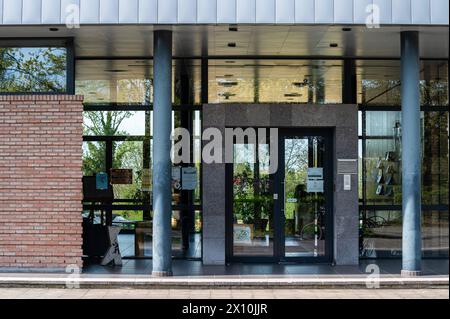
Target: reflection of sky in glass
[
  {"x": 296, "y": 154},
  {"x": 34, "y": 57},
  {"x": 244, "y": 153},
  {"x": 135, "y": 125}
]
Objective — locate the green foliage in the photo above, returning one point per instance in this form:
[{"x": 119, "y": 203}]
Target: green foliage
[
  {"x": 32, "y": 69},
  {"x": 127, "y": 154}
]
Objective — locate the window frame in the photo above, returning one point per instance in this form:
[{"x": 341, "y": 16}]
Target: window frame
[{"x": 67, "y": 43}]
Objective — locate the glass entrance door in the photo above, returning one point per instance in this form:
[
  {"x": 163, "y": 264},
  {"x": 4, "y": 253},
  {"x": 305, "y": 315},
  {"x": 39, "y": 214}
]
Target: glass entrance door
[
  {"x": 305, "y": 201},
  {"x": 283, "y": 215}
]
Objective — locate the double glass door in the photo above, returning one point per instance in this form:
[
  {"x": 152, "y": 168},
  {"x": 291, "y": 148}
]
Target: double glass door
[{"x": 282, "y": 214}]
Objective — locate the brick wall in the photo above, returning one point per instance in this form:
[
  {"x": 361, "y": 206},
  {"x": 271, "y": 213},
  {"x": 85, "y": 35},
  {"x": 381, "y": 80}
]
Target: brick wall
[{"x": 40, "y": 181}]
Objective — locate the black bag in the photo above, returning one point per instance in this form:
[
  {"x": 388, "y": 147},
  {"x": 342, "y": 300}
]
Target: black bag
[
  {"x": 380, "y": 177},
  {"x": 380, "y": 164},
  {"x": 390, "y": 156},
  {"x": 389, "y": 179},
  {"x": 389, "y": 191},
  {"x": 390, "y": 169},
  {"x": 380, "y": 190}
]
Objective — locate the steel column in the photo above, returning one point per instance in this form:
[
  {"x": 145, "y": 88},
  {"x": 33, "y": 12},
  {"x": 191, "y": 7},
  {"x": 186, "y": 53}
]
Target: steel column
[
  {"x": 411, "y": 154},
  {"x": 162, "y": 125}
]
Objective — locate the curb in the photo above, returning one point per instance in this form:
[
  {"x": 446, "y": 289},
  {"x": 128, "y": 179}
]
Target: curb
[{"x": 220, "y": 283}]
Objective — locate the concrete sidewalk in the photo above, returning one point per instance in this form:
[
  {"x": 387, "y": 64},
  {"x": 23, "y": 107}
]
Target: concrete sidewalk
[
  {"x": 212, "y": 282},
  {"x": 188, "y": 294}
]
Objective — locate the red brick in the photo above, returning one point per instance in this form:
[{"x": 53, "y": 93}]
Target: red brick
[{"x": 40, "y": 181}]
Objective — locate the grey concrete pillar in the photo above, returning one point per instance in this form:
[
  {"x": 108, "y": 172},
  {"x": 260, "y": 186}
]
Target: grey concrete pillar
[
  {"x": 411, "y": 154},
  {"x": 162, "y": 125}
]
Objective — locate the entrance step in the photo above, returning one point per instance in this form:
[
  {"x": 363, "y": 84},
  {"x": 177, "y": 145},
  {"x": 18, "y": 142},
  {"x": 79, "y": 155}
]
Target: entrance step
[{"x": 241, "y": 282}]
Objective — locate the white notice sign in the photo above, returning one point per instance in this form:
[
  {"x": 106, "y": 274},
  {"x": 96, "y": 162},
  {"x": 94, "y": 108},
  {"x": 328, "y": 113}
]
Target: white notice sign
[
  {"x": 176, "y": 177},
  {"x": 315, "y": 173},
  {"x": 189, "y": 178},
  {"x": 314, "y": 186}
]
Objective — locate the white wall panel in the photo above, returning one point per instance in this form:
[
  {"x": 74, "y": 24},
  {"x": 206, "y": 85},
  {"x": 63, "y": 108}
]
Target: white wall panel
[
  {"x": 304, "y": 11},
  {"x": 31, "y": 11},
  {"x": 167, "y": 11},
  {"x": 420, "y": 11},
  {"x": 148, "y": 11},
  {"x": 226, "y": 11},
  {"x": 206, "y": 11},
  {"x": 324, "y": 11},
  {"x": 439, "y": 11},
  {"x": 246, "y": 11},
  {"x": 128, "y": 11},
  {"x": 401, "y": 11},
  {"x": 265, "y": 11},
  {"x": 109, "y": 11},
  {"x": 285, "y": 11},
  {"x": 385, "y": 8},
  {"x": 12, "y": 11},
  {"x": 405, "y": 12},
  {"x": 343, "y": 11},
  {"x": 89, "y": 11},
  {"x": 187, "y": 11},
  {"x": 51, "y": 11},
  {"x": 359, "y": 11}
]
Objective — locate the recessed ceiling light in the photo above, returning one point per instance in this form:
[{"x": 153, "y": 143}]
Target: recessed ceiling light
[
  {"x": 333, "y": 45},
  {"x": 227, "y": 95},
  {"x": 228, "y": 83},
  {"x": 116, "y": 71},
  {"x": 293, "y": 95},
  {"x": 53, "y": 29},
  {"x": 232, "y": 44},
  {"x": 301, "y": 84}
]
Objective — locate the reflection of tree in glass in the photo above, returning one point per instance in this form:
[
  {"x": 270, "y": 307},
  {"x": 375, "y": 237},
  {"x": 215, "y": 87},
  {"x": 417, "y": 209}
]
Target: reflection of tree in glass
[
  {"x": 32, "y": 69},
  {"x": 125, "y": 154},
  {"x": 296, "y": 154}
]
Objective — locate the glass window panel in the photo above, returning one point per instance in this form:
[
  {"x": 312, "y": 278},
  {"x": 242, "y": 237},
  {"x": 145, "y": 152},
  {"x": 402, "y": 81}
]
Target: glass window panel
[
  {"x": 383, "y": 154},
  {"x": 33, "y": 69},
  {"x": 114, "y": 123},
  {"x": 381, "y": 234},
  {"x": 129, "y": 155},
  {"x": 275, "y": 81},
  {"x": 435, "y": 162},
  {"x": 434, "y": 83},
  {"x": 94, "y": 158},
  {"x": 378, "y": 82},
  {"x": 253, "y": 226},
  {"x": 131, "y": 81}
]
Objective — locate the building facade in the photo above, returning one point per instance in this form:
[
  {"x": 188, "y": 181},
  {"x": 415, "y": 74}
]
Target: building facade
[{"x": 312, "y": 131}]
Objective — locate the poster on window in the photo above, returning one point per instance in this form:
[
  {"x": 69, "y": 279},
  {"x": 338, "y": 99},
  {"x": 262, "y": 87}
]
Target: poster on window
[
  {"x": 176, "y": 177},
  {"x": 189, "y": 178},
  {"x": 314, "y": 186},
  {"x": 242, "y": 234},
  {"x": 121, "y": 176}
]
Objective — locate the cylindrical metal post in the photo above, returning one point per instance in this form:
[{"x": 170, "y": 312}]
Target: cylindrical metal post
[
  {"x": 411, "y": 154},
  {"x": 162, "y": 126}
]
